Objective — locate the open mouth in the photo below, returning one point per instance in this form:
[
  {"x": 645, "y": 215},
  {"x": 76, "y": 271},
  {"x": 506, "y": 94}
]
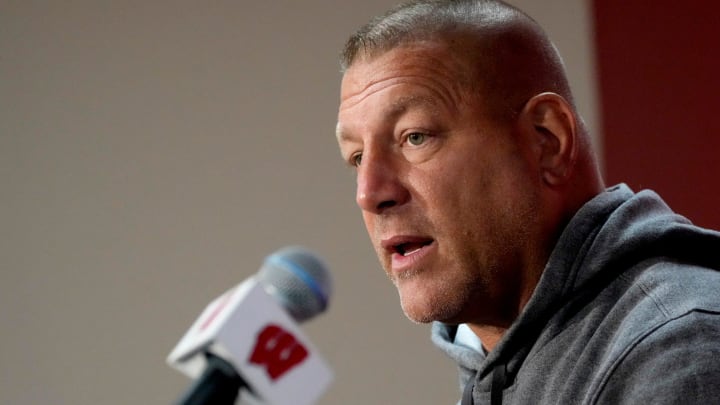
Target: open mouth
[{"x": 409, "y": 248}]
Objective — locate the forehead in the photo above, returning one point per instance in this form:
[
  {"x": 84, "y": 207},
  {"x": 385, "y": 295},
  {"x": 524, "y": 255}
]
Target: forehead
[{"x": 429, "y": 64}]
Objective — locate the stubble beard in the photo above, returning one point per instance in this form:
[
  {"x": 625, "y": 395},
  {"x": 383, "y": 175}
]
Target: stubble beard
[
  {"x": 443, "y": 297},
  {"x": 448, "y": 293}
]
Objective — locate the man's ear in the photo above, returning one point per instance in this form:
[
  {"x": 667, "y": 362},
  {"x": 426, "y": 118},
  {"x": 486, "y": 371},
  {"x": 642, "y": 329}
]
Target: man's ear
[{"x": 550, "y": 121}]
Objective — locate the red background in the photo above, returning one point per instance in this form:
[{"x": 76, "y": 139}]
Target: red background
[{"x": 658, "y": 67}]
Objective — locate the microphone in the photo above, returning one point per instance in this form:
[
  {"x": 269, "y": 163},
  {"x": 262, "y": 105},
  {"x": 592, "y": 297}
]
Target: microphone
[{"x": 248, "y": 338}]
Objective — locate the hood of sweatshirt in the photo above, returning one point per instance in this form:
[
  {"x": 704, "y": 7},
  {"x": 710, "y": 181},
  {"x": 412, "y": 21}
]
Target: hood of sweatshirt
[{"x": 612, "y": 232}]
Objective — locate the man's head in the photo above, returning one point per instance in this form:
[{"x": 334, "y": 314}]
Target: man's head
[
  {"x": 469, "y": 155},
  {"x": 512, "y": 58}
]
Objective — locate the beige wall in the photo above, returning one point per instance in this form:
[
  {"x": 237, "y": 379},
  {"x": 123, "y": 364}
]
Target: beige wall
[{"x": 152, "y": 153}]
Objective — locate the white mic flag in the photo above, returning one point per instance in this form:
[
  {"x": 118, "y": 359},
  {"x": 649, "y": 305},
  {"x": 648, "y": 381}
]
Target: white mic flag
[{"x": 249, "y": 328}]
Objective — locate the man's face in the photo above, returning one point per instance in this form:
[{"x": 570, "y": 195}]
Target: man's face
[{"x": 447, "y": 195}]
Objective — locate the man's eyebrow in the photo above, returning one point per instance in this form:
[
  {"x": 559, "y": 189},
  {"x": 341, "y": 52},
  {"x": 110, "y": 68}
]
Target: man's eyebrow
[
  {"x": 404, "y": 103},
  {"x": 395, "y": 109},
  {"x": 341, "y": 135}
]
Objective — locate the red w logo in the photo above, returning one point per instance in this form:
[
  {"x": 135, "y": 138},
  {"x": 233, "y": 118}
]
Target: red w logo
[{"x": 278, "y": 351}]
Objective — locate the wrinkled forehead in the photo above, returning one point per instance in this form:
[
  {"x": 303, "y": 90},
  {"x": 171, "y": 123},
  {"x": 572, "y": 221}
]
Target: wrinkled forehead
[{"x": 434, "y": 62}]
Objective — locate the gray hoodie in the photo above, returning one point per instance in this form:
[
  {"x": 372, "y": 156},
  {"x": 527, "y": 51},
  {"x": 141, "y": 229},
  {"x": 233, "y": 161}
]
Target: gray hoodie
[{"x": 627, "y": 311}]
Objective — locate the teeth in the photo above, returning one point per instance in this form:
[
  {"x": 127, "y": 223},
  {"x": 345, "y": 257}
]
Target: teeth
[
  {"x": 408, "y": 248},
  {"x": 409, "y": 252}
]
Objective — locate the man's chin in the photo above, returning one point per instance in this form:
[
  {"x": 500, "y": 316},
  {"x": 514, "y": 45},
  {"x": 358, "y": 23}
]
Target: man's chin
[
  {"x": 424, "y": 299},
  {"x": 420, "y": 320},
  {"x": 422, "y": 313}
]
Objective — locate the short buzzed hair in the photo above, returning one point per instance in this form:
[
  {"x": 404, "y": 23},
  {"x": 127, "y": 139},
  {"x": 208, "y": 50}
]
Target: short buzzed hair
[
  {"x": 516, "y": 59},
  {"x": 423, "y": 20}
]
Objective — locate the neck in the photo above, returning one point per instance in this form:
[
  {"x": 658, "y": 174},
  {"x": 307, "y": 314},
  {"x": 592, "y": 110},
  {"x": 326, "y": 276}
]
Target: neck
[{"x": 489, "y": 335}]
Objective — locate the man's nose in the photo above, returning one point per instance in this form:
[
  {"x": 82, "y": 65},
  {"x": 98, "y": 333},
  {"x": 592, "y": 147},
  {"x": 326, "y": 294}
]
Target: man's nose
[{"x": 379, "y": 186}]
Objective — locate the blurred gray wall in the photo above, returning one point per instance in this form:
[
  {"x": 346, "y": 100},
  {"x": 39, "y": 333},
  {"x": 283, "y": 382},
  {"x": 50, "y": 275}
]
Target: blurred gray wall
[{"x": 153, "y": 152}]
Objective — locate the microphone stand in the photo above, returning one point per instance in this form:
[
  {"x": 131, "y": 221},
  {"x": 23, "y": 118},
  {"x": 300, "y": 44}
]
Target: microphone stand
[{"x": 218, "y": 385}]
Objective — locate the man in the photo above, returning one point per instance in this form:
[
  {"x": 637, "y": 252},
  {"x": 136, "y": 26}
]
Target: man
[{"x": 483, "y": 199}]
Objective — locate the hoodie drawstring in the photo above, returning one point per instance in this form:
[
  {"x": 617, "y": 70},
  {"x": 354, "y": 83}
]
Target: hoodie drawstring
[
  {"x": 499, "y": 379},
  {"x": 467, "y": 398}
]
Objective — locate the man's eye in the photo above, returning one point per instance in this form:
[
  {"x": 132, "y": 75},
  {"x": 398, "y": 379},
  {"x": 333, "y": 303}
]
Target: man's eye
[
  {"x": 356, "y": 159},
  {"x": 416, "y": 138}
]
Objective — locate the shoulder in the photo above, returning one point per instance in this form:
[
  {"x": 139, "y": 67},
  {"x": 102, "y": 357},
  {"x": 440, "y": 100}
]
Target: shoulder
[
  {"x": 676, "y": 358},
  {"x": 677, "y": 362},
  {"x": 678, "y": 288}
]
